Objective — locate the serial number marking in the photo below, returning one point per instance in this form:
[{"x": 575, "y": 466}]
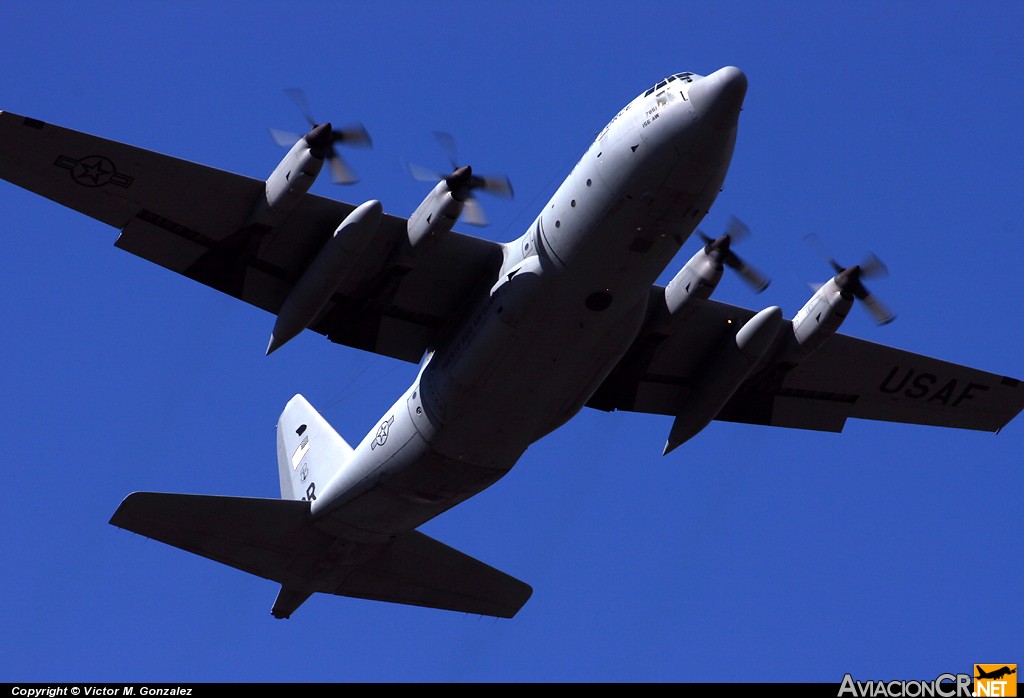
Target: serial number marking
[{"x": 650, "y": 121}]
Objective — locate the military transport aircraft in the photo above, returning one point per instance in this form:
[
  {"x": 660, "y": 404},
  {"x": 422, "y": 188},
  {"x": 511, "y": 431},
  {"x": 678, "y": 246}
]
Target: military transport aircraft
[{"x": 511, "y": 339}]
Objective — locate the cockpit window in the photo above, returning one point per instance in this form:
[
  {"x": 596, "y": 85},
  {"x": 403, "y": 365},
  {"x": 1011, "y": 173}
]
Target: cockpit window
[{"x": 678, "y": 76}]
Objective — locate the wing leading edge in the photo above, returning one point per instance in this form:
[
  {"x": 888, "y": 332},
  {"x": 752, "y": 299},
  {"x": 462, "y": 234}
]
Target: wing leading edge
[
  {"x": 195, "y": 220},
  {"x": 844, "y": 378}
]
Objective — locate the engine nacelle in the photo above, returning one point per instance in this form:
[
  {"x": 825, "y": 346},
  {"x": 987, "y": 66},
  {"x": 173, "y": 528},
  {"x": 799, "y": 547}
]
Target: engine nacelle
[
  {"x": 731, "y": 365},
  {"x": 332, "y": 264},
  {"x": 818, "y": 320},
  {"x": 433, "y": 218},
  {"x": 697, "y": 279},
  {"x": 293, "y": 177}
]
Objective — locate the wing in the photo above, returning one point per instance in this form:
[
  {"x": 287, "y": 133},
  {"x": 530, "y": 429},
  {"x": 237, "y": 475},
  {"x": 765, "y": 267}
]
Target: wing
[
  {"x": 272, "y": 538},
  {"x": 844, "y": 378},
  {"x": 192, "y": 220}
]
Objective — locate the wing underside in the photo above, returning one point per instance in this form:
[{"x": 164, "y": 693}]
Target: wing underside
[
  {"x": 845, "y": 378},
  {"x": 194, "y": 220}
]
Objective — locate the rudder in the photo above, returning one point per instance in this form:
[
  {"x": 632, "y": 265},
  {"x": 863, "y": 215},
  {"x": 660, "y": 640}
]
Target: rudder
[{"x": 309, "y": 451}]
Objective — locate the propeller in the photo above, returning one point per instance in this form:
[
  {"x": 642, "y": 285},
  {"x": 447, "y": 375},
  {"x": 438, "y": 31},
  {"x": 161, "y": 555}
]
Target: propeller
[
  {"x": 354, "y": 135},
  {"x": 462, "y": 182},
  {"x": 849, "y": 281},
  {"x": 720, "y": 251}
]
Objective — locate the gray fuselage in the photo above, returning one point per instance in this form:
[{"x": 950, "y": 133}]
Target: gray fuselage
[{"x": 568, "y": 302}]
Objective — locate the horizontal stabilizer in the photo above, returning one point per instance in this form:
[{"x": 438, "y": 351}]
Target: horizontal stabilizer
[
  {"x": 276, "y": 540},
  {"x": 416, "y": 569},
  {"x": 259, "y": 536}
]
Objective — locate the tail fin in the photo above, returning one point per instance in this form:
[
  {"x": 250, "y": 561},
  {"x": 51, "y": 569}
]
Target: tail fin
[
  {"x": 273, "y": 538},
  {"x": 309, "y": 451}
]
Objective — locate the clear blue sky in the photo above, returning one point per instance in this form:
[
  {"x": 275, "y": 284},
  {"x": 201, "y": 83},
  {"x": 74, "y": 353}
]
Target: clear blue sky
[{"x": 749, "y": 554}]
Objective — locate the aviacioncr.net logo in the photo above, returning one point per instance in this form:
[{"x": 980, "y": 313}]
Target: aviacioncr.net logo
[{"x": 944, "y": 686}]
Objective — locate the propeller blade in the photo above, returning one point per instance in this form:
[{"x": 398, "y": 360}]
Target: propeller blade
[
  {"x": 882, "y": 315},
  {"x": 299, "y": 97},
  {"x": 472, "y": 213},
  {"x": 462, "y": 182},
  {"x": 819, "y": 247},
  {"x": 422, "y": 174},
  {"x": 755, "y": 279},
  {"x": 872, "y": 267},
  {"x": 285, "y": 139},
  {"x": 849, "y": 281},
  {"x": 447, "y": 143},
  {"x": 736, "y": 229},
  {"x": 354, "y": 135},
  {"x": 719, "y": 249},
  {"x": 340, "y": 172},
  {"x": 498, "y": 185}
]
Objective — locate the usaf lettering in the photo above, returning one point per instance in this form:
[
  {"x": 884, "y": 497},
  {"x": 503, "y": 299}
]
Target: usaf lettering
[{"x": 918, "y": 385}]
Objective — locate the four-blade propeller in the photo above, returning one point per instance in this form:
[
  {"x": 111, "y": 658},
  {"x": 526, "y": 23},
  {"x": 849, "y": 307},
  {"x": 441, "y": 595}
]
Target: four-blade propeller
[
  {"x": 849, "y": 281},
  {"x": 462, "y": 182},
  {"x": 720, "y": 251},
  {"x": 353, "y": 135}
]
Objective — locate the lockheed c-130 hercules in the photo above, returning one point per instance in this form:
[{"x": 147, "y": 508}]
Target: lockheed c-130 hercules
[{"x": 571, "y": 308}]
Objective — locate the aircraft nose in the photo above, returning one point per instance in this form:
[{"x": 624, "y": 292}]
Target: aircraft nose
[{"x": 719, "y": 97}]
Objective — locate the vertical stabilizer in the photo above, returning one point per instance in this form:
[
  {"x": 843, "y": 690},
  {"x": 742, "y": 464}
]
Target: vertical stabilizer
[{"x": 309, "y": 451}]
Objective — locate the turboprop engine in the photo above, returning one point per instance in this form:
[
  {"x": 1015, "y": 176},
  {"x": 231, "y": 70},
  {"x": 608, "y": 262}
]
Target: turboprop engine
[
  {"x": 436, "y": 215},
  {"x": 293, "y": 177},
  {"x": 826, "y": 310},
  {"x": 453, "y": 196},
  {"x": 766, "y": 335},
  {"x": 700, "y": 276}
]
